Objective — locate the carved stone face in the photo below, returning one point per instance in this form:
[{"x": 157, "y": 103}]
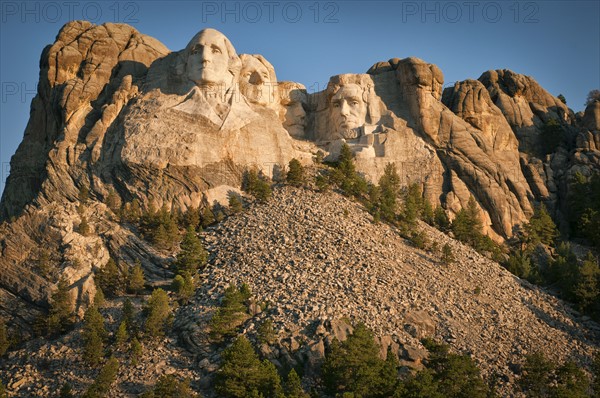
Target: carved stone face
[
  {"x": 348, "y": 110},
  {"x": 208, "y": 59},
  {"x": 255, "y": 81},
  {"x": 292, "y": 114}
]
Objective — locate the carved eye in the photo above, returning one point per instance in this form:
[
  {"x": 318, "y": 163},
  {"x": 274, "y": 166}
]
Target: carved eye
[
  {"x": 216, "y": 50},
  {"x": 354, "y": 103}
]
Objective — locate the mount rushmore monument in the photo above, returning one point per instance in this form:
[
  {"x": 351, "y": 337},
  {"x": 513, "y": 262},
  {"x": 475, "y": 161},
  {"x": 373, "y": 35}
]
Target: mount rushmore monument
[{"x": 116, "y": 111}]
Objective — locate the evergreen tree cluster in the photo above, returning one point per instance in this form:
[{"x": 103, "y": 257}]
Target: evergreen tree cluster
[
  {"x": 540, "y": 377},
  {"x": 107, "y": 376},
  {"x": 231, "y": 313},
  {"x": 352, "y": 368},
  {"x": 467, "y": 227},
  {"x": 169, "y": 386},
  {"x": 4, "y": 339},
  {"x": 257, "y": 185},
  {"x": 577, "y": 281},
  {"x": 552, "y": 135},
  {"x": 584, "y": 208},
  {"x": 295, "y": 175},
  {"x": 114, "y": 281},
  {"x": 160, "y": 227}
]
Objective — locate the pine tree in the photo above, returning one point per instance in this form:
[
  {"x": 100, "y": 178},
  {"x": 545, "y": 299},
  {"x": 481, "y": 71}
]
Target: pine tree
[
  {"x": 389, "y": 374},
  {"x": 107, "y": 376},
  {"x": 540, "y": 228},
  {"x": 596, "y": 375},
  {"x": 61, "y": 315},
  {"x": 571, "y": 382},
  {"x": 587, "y": 289},
  {"x": 354, "y": 366},
  {"x": 121, "y": 336},
  {"x": 265, "y": 332},
  {"x": 293, "y": 386},
  {"x": 4, "y": 341},
  {"x": 230, "y": 314},
  {"x": 440, "y": 219},
  {"x": 109, "y": 279},
  {"x": 192, "y": 254},
  {"x": 158, "y": 313},
  {"x": 519, "y": 264},
  {"x": 235, "y": 203},
  {"x": 295, "y": 174},
  {"x": 83, "y": 195},
  {"x": 113, "y": 201},
  {"x": 99, "y": 299},
  {"x": 389, "y": 185},
  {"x": 3, "y": 393},
  {"x": 242, "y": 372},
  {"x": 562, "y": 98},
  {"x": 127, "y": 314},
  {"x": 184, "y": 286},
  {"x": 84, "y": 226},
  {"x": 457, "y": 375},
  {"x": 136, "y": 350},
  {"x": 263, "y": 191},
  {"x": 208, "y": 217},
  {"x": 413, "y": 203},
  {"x": 191, "y": 218},
  {"x": 44, "y": 265},
  {"x": 535, "y": 379},
  {"x": 66, "y": 391},
  {"x": 94, "y": 335},
  {"x": 93, "y": 349},
  {"x": 170, "y": 386},
  {"x": 467, "y": 226},
  {"x": 136, "y": 278},
  {"x": 133, "y": 211},
  {"x": 447, "y": 254}
]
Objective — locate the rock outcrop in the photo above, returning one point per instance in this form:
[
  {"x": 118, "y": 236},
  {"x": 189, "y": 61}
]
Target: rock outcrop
[
  {"x": 116, "y": 111},
  {"x": 317, "y": 262}
]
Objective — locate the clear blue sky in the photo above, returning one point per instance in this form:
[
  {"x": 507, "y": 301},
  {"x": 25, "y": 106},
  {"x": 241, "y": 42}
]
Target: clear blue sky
[{"x": 556, "y": 42}]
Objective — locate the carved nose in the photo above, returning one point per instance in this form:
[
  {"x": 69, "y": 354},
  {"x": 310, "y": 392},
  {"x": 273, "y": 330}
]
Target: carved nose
[
  {"x": 205, "y": 56},
  {"x": 344, "y": 109}
]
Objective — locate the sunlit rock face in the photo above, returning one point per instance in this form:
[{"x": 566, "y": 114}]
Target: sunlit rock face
[{"x": 116, "y": 111}]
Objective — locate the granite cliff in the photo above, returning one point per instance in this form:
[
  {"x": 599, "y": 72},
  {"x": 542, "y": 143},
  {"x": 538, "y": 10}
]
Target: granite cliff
[{"x": 117, "y": 113}]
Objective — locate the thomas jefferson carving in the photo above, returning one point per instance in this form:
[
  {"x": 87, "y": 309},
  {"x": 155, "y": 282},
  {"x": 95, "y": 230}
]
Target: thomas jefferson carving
[
  {"x": 292, "y": 113},
  {"x": 258, "y": 82}
]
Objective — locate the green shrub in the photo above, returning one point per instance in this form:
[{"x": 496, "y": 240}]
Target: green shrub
[
  {"x": 105, "y": 379},
  {"x": 242, "y": 374},
  {"x": 354, "y": 366},
  {"x": 192, "y": 255},
  {"x": 552, "y": 135},
  {"x": 4, "y": 340},
  {"x": 60, "y": 316},
  {"x": 137, "y": 279},
  {"x": 232, "y": 312},
  {"x": 295, "y": 174},
  {"x": 447, "y": 254},
  {"x": 158, "y": 313},
  {"x": 235, "y": 203},
  {"x": 169, "y": 386}
]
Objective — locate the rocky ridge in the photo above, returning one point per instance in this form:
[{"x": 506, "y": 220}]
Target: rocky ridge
[{"x": 317, "y": 263}]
